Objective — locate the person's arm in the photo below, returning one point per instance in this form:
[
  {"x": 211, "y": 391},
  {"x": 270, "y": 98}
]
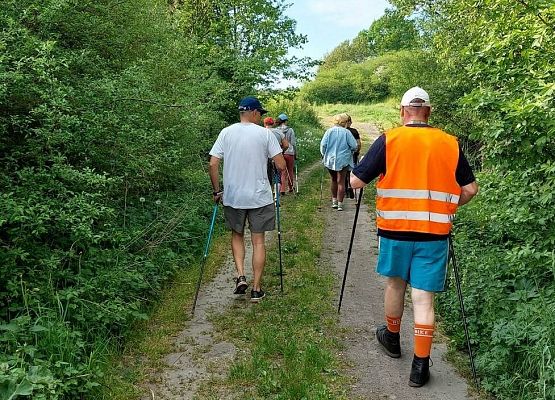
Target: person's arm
[
  {"x": 371, "y": 165},
  {"x": 468, "y": 192},
  {"x": 324, "y": 143},
  {"x": 465, "y": 179},
  {"x": 279, "y": 162},
  {"x": 359, "y": 145},
  {"x": 214, "y": 171},
  {"x": 357, "y": 183},
  {"x": 293, "y": 142}
]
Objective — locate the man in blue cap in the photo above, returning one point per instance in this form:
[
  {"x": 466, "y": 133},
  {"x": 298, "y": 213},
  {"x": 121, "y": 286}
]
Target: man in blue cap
[{"x": 245, "y": 148}]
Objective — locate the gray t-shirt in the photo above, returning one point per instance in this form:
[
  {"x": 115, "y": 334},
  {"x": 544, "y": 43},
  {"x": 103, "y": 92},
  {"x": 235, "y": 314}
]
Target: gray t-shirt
[
  {"x": 278, "y": 134},
  {"x": 245, "y": 149},
  {"x": 289, "y": 134}
]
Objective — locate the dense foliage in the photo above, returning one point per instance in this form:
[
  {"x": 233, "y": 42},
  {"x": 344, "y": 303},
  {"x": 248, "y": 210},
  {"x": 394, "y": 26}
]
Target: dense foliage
[
  {"x": 372, "y": 80},
  {"x": 107, "y": 110},
  {"x": 368, "y": 68},
  {"x": 391, "y": 32},
  {"x": 488, "y": 65},
  {"x": 499, "y": 65}
]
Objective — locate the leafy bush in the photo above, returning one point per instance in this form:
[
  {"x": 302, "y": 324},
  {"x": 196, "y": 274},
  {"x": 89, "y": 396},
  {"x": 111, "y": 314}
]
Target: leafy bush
[
  {"x": 108, "y": 110},
  {"x": 496, "y": 57}
]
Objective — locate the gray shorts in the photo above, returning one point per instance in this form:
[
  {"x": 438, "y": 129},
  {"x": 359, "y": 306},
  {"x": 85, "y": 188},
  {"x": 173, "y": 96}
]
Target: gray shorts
[{"x": 261, "y": 219}]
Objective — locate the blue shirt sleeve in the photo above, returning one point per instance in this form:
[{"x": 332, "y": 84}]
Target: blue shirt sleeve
[
  {"x": 324, "y": 143},
  {"x": 372, "y": 164}
]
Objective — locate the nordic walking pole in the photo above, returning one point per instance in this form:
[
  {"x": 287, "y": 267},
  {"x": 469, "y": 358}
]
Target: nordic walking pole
[
  {"x": 208, "y": 239},
  {"x": 279, "y": 230},
  {"x": 350, "y": 248},
  {"x": 459, "y": 294}
]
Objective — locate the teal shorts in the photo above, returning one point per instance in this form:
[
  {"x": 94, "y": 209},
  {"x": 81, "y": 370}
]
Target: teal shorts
[{"x": 422, "y": 264}]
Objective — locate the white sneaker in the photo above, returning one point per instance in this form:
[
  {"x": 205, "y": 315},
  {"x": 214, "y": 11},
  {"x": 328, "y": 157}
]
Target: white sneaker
[
  {"x": 334, "y": 204},
  {"x": 340, "y": 207}
]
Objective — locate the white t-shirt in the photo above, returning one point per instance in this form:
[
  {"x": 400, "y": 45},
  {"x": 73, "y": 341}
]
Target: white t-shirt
[{"x": 245, "y": 148}]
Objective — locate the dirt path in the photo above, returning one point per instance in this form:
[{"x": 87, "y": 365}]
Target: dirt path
[
  {"x": 378, "y": 376},
  {"x": 198, "y": 356}
]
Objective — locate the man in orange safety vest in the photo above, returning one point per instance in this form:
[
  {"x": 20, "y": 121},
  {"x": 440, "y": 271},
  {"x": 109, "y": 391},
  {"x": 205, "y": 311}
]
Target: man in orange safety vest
[{"x": 423, "y": 176}]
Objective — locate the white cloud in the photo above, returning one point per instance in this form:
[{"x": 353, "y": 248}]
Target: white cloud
[{"x": 347, "y": 13}]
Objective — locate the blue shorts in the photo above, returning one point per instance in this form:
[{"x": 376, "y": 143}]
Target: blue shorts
[{"x": 422, "y": 264}]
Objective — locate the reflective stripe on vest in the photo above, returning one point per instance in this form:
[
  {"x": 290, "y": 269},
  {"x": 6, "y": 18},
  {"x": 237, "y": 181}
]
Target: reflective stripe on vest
[
  {"x": 417, "y": 216},
  {"x": 419, "y": 191},
  {"x": 419, "y": 194}
]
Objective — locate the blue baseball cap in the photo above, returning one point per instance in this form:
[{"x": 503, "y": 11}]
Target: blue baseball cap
[
  {"x": 283, "y": 117},
  {"x": 251, "y": 103}
]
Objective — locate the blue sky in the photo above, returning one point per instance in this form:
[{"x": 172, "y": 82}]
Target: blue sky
[{"x": 329, "y": 22}]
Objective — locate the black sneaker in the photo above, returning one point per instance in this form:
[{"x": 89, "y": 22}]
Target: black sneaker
[
  {"x": 420, "y": 371},
  {"x": 257, "y": 295},
  {"x": 390, "y": 341},
  {"x": 240, "y": 285}
]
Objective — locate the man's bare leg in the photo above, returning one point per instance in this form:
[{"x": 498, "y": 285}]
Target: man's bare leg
[
  {"x": 238, "y": 249},
  {"x": 258, "y": 258},
  {"x": 423, "y": 305},
  {"x": 394, "y": 301}
]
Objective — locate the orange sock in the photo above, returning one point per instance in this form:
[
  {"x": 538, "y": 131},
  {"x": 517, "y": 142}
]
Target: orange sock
[
  {"x": 393, "y": 324},
  {"x": 423, "y": 335}
]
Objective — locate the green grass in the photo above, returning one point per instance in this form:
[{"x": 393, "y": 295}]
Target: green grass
[
  {"x": 288, "y": 343},
  {"x": 385, "y": 115},
  {"x": 149, "y": 341}
]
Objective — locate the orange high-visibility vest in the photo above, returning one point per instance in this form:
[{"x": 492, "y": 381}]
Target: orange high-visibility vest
[{"x": 419, "y": 191}]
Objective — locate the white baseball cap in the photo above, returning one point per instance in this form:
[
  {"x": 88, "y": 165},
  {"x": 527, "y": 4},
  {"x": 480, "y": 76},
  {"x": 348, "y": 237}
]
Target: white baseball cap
[{"x": 413, "y": 94}]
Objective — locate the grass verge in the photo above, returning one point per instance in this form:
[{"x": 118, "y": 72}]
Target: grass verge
[
  {"x": 385, "y": 115},
  {"x": 149, "y": 341},
  {"x": 287, "y": 342}
]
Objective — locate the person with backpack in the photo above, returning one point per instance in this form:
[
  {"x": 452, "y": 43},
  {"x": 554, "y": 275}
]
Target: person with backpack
[
  {"x": 348, "y": 189},
  {"x": 290, "y": 154},
  {"x": 337, "y": 147},
  {"x": 269, "y": 124}
]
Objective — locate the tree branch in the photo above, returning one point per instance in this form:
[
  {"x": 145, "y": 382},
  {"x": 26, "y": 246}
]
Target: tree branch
[{"x": 538, "y": 14}]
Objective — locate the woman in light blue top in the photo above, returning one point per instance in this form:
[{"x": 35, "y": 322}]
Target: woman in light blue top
[{"x": 337, "y": 147}]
